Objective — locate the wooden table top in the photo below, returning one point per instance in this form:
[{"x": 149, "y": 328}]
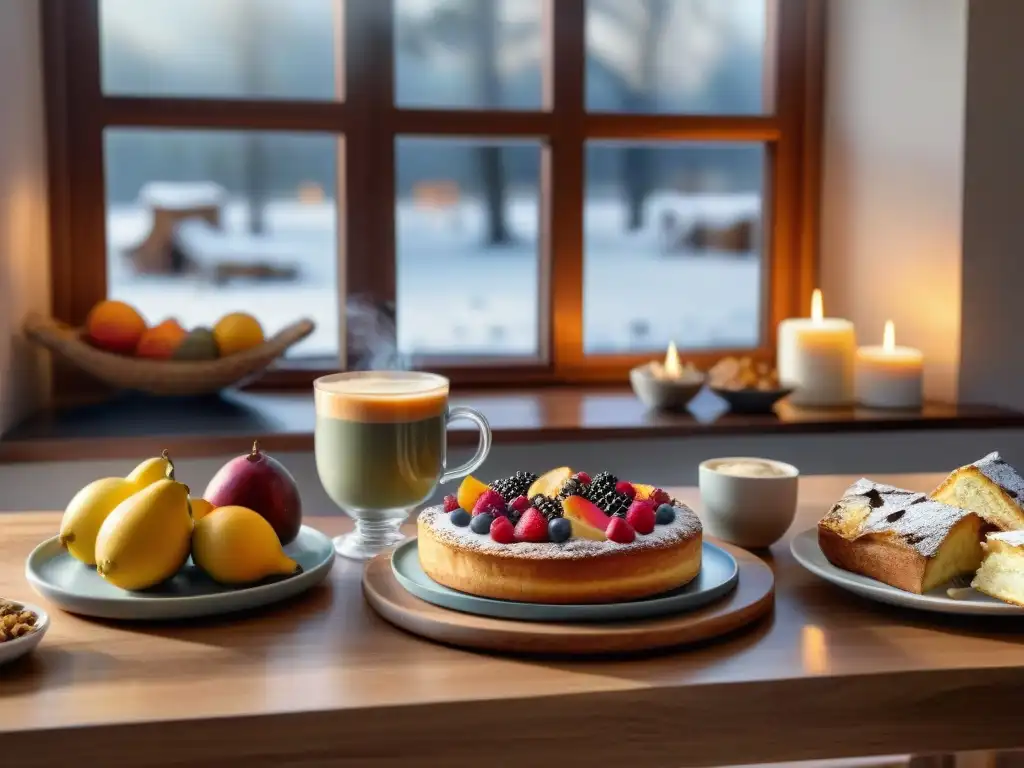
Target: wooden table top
[
  {"x": 323, "y": 681},
  {"x": 284, "y": 421}
]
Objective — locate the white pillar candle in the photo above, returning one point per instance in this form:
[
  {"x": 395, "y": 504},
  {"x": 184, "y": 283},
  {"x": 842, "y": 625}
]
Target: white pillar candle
[
  {"x": 889, "y": 376},
  {"x": 816, "y": 356}
]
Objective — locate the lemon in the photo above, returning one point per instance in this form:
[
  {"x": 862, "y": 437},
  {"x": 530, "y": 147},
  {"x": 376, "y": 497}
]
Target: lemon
[
  {"x": 145, "y": 540},
  {"x": 149, "y": 471},
  {"x": 86, "y": 513},
  {"x": 237, "y": 332},
  {"x": 235, "y": 545}
]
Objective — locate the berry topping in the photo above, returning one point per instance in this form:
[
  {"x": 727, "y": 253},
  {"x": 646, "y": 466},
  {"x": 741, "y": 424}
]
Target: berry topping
[
  {"x": 548, "y": 506},
  {"x": 450, "y": 503},
  {"x": 460, "y": 517},
  {"x": 482, "y": 523},
  {"x": 640, "y": 515},
  {"x": 666, "y": 514},
  {"x": 559, "y": 530},
  {"x": 502, "y": 531},
  {"x": 583, "y": 477},
  {"x": 614, "y": 503},
  {"x": 625, "y": 488},
  {"x": 573, "y": 487},
  {"x": 489, "y": 501},
  {"x": 661, "y": 497},
  {"x": 532, "y": 526},
  {"x": 516, "y": 485},
  {"x": 520, "y": 504},
  {"x": 620, "y": 531}
]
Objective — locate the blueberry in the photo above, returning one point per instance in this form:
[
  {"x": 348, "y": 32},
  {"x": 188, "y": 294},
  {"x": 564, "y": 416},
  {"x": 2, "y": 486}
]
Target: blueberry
[
  {"x": 666, "y": 514},
  {"x": 482, "y": 523},
  {"x": 460, "y": 517},
  {"x": 559, "y": 530}
]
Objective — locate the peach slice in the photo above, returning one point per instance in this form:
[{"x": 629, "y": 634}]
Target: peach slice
[
  {"x": 586, "y": 518},
  {"x": 550, "y": 483},
  {"x": 469, "y": 491},
  {"x": 643, "y": 492}
]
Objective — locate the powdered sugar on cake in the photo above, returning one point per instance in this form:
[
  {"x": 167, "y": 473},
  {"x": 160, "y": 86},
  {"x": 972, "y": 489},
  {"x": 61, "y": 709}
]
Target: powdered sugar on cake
[
  {"x": 1002, "y": 474},
  {"x": 685, "y": 526}
]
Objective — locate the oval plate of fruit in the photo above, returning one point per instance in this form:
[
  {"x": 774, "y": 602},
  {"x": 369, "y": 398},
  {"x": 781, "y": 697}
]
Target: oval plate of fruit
[
  {"x": 140, "y": 548},
  {"x": 117, "y": 347}
]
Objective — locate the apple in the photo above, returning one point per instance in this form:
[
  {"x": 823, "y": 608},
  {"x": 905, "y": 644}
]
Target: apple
[{"x": 261, "y": 483}]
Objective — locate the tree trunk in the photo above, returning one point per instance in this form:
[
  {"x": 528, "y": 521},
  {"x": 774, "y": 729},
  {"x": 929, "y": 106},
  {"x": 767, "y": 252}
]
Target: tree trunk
[{"x": 488, "y": 85}]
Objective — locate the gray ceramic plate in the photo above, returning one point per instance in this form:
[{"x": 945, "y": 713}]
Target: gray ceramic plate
[
  {"x": 718, "y": 576},
  {"x": 77, "y": 588},
  {"x": 968, "y": 601}
]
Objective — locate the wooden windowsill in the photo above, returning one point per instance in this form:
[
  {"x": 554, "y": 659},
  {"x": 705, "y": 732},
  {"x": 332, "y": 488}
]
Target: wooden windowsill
[{"x": 131, "y": 427}]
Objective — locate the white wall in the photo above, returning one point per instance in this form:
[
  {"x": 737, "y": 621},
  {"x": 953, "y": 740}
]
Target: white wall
[
  {"x": 893, "y": 174},
  {"x": 24, "y": 247}
]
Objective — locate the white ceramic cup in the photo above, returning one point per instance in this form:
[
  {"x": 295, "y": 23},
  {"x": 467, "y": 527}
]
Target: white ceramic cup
[{"x": 749, "y": 511}]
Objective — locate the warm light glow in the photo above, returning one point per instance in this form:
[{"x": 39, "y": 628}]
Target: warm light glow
[
  {"x": 814, "y": 650},
  {"x": 817, "y": 306},
  {"x": 673, "y": 367},
  {"x": 889, "y": 337}
]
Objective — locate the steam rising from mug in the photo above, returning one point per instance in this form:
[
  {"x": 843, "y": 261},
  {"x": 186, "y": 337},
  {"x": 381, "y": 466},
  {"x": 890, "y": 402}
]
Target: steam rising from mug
[{"x": 372, "y": 337}]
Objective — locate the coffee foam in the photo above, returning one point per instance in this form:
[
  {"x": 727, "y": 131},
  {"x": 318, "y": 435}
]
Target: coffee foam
[{"x": 381, "y": 397}]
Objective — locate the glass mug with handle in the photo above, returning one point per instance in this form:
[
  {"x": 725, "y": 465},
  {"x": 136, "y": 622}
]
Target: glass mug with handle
[{"x": 381, "y": 449}]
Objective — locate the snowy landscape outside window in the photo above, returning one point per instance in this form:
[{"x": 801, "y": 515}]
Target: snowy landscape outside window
[{"x": 545, "y": 188}]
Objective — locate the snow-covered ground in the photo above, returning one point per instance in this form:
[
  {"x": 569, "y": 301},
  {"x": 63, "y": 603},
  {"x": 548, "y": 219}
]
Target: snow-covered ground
[{"x": 457, "y": 296}]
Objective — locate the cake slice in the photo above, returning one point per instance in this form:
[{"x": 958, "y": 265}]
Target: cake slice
[
  {"x": 990, "y": 488},
  {"x": 1002, "y": 570},
  {"x": 900, "y": 537}
]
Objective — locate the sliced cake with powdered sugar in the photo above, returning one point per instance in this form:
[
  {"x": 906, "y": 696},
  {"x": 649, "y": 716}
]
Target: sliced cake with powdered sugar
[
  {"x": 900, "y": 537},
  {"x": 990, "y": 488},
  {"x": 1002, "y": 570}
]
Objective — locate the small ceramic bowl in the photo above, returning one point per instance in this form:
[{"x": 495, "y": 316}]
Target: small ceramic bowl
[
  {"x": 752, "y": 400},
  {"x": 664, "y": 394},
  {"x": 15, "y": 649},
  {"x": 752, "y": 511}
]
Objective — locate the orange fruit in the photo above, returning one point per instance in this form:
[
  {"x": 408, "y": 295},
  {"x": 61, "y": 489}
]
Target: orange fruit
[
  {"x": 115, "y": 326},
  {"x": 469, "y": 491},
  {"x": 237, "y": 332},
  {"x": 161, "y": 341},
  {"x": 550, "y": 483}
]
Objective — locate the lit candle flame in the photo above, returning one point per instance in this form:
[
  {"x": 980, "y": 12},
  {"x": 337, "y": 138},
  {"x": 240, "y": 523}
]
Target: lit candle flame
[
  {"x": 817, "y": 306},
  {"x": 673, "y": 367},
  {"x": 889, "y": 337}
]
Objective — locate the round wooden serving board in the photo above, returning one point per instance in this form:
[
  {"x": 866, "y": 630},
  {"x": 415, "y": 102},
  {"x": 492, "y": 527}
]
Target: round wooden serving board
[{"x": 752, "y": 599}]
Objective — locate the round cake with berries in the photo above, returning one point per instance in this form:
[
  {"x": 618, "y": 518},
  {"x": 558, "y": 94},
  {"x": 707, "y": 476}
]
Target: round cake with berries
[{"x": 562, "y": 538}]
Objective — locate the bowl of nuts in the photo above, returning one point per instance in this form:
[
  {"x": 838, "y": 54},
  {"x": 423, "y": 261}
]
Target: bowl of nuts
[
  {"x": 746, "y": 385},
  {"x": 22, "y": 627}
]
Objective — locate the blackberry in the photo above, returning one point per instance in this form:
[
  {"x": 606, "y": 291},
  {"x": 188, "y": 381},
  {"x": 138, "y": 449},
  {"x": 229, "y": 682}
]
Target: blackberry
[
  {"x": 614, "y": 503},
  {"x": 516, "y": 485},
  {"x": 546, "y": 506},
  {"x": 602, "y": 483},
  {"x": 573, "y": 487}
]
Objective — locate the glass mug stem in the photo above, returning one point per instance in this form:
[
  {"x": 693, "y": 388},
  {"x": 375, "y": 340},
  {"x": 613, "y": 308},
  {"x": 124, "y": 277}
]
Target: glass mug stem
[{"x": 483, "y": 446}]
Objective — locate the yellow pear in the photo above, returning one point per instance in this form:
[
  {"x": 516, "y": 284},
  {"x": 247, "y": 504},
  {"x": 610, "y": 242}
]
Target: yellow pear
[
  {"x": 145, "y": 540},
  {"x": 200, "y": 509},
  {"x": 87, "y": 511},
  {"x": 151, "y": 470},
  {"x": 235, "y": 545}
]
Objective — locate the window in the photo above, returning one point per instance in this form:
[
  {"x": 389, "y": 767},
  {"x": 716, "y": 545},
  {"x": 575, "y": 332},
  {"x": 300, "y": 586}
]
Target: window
[{"x": 504, "y": 190}]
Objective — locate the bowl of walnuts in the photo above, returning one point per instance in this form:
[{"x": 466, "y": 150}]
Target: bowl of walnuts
[
  {"x": 22, "y": 627},
  {"x": 746, "y": 385}
]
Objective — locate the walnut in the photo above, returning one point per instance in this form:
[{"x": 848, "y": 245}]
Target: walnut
[
  {"x": 736, "y": 373},
  {"x": 15, "y": 621}
]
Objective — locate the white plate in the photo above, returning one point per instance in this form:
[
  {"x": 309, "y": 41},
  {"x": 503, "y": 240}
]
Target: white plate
[
  {"x": 15, "y": 649},
  {"x": 77, "y": 588},
  {"x": 807, "y": 552}
]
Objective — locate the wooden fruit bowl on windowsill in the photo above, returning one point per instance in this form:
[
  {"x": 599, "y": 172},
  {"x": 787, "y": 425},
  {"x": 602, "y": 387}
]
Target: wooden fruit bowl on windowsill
[{"x": 162, "y": 377}]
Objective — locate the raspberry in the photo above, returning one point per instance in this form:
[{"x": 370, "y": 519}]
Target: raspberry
[
  {"x": 450, "y": 503},
  {"x": 583, "y": 477},
  {"x": 502, "y": 531},
  {"x": 625, "y": 488},
  {"x": 641, "y": 516},
  {"x": 489, "y": 501},
  {"x": 532, "y": 526},
  {"x": 619, "y": 531},
  {"x": 659, "y": 497},
  {"x": 520, "y": 504}
]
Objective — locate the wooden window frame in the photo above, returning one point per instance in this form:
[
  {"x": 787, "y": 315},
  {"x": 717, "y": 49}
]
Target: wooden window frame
[{"x": 78, "y": 112}]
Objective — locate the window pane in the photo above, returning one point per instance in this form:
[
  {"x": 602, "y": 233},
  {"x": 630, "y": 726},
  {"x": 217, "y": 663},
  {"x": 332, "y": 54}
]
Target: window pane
[
  {"x": 225, "y": 48},
  {"x": 466, "y": 223},
  {"x": 677, "y": 56},
  {"x": 470, "y": 54},
  {"x": 673, "y": 241},
  {"x": 203, "y": 223}
]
